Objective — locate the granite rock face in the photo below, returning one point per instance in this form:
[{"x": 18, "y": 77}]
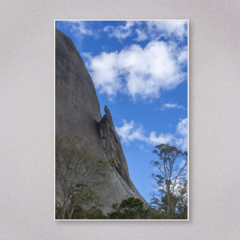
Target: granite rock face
[{"x": 78, "y": 113}]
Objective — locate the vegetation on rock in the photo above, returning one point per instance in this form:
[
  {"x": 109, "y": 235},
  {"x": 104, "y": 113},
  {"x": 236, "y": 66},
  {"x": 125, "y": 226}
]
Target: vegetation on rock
[
  {"x": 79, "y": 172},
  {"x": 131, "y": 208}
]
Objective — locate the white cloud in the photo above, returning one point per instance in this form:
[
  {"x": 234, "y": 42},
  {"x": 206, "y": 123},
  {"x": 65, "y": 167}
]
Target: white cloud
[
  {"x": 171, "y": 105},
  {"x": 182, "y": 58},
  {"x": 138, "y": 72},
  {"x": 120, "y": 32},
  {"x": 105, "y": 74},
  {"x": 158, "y": 29},
  {"x": 182, "y": 130},
  {"x": 151, "y": 29},
  {"x": 141, "y": 35},
  {"x": 182, "y": 127},
  {"x": 80, "y": 29},
  {"x": 130, "y": 131},
  {"x": 162, "y": 138}
]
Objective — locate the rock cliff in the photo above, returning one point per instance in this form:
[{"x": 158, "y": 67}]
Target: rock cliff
[{"x": 77, "y": 112}]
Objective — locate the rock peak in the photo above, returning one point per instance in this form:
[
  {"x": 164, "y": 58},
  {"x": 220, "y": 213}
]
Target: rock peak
[
  {"x": 106, "y": 109},
  {"x": 108, "y": 116}
]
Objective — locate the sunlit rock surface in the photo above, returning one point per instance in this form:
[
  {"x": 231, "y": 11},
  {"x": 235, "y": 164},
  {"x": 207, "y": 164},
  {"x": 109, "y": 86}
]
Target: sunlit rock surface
[{"x": 78, "y": 113}]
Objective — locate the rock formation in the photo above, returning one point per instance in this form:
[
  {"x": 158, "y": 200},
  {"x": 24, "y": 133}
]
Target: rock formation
[{"x": 78, "y": 113}]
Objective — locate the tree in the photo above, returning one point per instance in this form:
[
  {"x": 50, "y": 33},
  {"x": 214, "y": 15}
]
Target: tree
[
  {"x": 182, "y": 204},
  {"x": 79, "y": 172},
  {"x": 171, "y": 195},
  {"x": 130, "y": 208},
  {"x": 92, "y": 212}
]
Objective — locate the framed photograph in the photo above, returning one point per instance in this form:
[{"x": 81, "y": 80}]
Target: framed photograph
[{"x": 121, "y": 120}]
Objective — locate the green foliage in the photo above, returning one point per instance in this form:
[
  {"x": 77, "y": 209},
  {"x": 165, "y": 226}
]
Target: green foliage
[
  {"x": 91, "y": 213},
  {"x": 170, "y": 197},
  {"x": 155, "y": 214},
  {"x": 79, "y": 172},
  {"x": 112, "y": 162},
  {"x": 131, "y": 208}
]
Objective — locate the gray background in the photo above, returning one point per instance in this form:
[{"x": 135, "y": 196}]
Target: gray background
[{"x": 27, "y": 119}]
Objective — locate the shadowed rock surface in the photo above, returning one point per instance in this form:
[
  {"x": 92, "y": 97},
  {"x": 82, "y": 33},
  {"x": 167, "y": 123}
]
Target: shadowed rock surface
[
  {"x": 78, "y": 113},
  {"x": 112, "y": 145}
]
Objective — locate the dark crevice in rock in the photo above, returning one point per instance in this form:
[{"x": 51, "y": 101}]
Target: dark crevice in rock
[{"x": 112, "y": 145}]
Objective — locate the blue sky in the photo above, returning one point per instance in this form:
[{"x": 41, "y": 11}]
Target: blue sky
[{"x": 139, "y": 69}]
